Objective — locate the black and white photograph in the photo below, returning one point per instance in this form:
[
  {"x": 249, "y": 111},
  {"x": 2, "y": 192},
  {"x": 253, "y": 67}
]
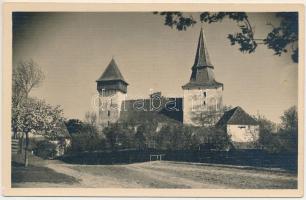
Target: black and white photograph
[{"x": 156, "y": 99}]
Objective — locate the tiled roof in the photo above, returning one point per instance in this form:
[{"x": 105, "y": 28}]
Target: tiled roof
[
  {"x": 236, "y": 116},
  {"x": 111, "y": 73}
]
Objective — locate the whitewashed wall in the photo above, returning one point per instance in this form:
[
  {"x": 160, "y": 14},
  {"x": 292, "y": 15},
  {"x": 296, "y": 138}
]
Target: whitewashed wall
[
  {"x": 243, "y": 133},
  {"x": 110, "y": 107}
]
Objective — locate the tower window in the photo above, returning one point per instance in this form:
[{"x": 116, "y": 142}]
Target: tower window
[
  {"x": 108, "y": 113},
  {"x": 204, "y": 103},
  {"x": 204, "y": 94}
]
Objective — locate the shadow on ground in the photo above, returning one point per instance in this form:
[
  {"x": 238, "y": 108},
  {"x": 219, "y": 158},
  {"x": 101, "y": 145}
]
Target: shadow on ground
[
  {"x": 37, "y": 172},
  {"x": 240, "y": 158}
]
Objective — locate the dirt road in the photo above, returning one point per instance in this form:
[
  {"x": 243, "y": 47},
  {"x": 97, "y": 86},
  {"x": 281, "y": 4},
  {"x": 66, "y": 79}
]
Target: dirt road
[{"x": 164, "y": 174}]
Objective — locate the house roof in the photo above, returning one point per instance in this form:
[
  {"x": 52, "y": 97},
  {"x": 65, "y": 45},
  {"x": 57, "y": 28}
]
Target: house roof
[
  {"x": 111, "y": 73},
  {"x": 202, "y": 57},
  {"x": 236, "y": 116}
]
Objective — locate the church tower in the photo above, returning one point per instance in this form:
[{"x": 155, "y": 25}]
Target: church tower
[
  {"x": 202, "y": 94},
  {"x": 112, "y": 88}
]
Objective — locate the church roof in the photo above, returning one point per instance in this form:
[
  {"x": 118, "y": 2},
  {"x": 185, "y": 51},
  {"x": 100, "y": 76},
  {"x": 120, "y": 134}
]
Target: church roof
[
  {"x": 202, "y": 57},
  {"x": 208, "y": 85},
  {"x": 236, "y": 116},
  {"x": 140, "y": 109},
  {"x": 202, "y": 75},
  {"x": 111, "y": 73}
]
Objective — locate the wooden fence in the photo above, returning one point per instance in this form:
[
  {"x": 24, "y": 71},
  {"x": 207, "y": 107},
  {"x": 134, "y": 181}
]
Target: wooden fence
[{"x": 15, "y": 146}]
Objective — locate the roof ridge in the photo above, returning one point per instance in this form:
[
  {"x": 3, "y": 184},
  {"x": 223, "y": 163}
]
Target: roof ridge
[
  {"x": 242, "y": 112},
  {"x": 234, "y": 111}
]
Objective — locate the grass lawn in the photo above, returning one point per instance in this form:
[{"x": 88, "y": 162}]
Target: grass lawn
[{"x": 37, "y": 172}]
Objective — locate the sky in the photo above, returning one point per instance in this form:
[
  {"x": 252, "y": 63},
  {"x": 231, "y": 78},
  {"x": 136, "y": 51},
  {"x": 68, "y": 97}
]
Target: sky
[{"x": 73, "y": 49}]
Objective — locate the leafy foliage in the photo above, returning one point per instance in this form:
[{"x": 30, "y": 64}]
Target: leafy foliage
[
  {"x": 140, "y": 140},
  {"x": 284, "y": 34},
  {"x": 280, "y": 39},
  {"x": 45, "y": 149},
  {"x": 174, "y": 137},
  {"x": 266, "y": 130},
  {"x": 285, "y": 139},
  {"x": 26, "y": 76},
  {"x": 118, "y": 136},
  {"x": 87, "y": 139},
  {"x": 37, "y": 117},
  {"x": 74, "y": 126},
  {"x": 177, "y": 19},
  {"x": 290, "y": 119}
]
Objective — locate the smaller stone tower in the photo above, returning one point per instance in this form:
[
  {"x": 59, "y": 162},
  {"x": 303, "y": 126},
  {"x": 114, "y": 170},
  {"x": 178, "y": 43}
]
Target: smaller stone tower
[
  {"x": 112, "y": 89},
  {"x": 202, "y": 94}
]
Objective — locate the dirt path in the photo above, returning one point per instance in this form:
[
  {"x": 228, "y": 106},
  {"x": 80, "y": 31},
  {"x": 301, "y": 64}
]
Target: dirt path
[
  {"x": 87, "y": 180},
  {"x": 168, "y": 175}
]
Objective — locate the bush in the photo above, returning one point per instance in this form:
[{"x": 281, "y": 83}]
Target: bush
[
  {"x": 45, "y": 149},
  {"x": 283, "y": 140},
  {"x": 179, "y": 137},
  {"x": 119, "y": 136}
]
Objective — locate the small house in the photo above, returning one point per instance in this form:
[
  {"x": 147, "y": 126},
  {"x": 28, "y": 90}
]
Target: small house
[{"x": 241, "y": 127}]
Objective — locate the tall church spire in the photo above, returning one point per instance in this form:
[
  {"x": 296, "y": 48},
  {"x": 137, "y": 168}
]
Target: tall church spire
[
  {"x": 202, "y": 75},
  {"x": 202, "y": 93},
  {"x": 202, "y": 57}
]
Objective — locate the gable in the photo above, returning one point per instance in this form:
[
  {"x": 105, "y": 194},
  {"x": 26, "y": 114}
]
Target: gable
[{"x": 236, "y": 116}]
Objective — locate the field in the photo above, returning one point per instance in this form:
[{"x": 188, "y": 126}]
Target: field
[{"x": 157, "y": 174}]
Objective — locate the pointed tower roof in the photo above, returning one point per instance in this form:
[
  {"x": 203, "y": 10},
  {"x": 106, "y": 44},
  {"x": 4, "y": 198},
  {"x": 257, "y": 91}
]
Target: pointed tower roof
[
  {"x": 111, "y": 73},
  {"x": 202, "y": 75},
  {"x": 202, "y": 57}
]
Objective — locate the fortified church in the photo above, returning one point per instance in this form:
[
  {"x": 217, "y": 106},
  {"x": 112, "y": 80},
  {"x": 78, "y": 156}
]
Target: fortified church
[{"x": 202, "y": 99}]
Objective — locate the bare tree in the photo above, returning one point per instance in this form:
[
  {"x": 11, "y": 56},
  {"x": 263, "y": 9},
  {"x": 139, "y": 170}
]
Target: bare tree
[
  {"x": 91, "y": 118},
  {"x": 208, "y": 117},
  {"x": 290, "y": 118},
  {"x": 26, "y": 76}
]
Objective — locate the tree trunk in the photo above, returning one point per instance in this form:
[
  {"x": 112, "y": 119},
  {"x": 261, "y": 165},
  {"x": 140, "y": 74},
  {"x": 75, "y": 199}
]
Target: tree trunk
[
  {"x": 14, "y": 133},
  {"x": 21, "y": 143},
  {"x": 26, "y": 158}
]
